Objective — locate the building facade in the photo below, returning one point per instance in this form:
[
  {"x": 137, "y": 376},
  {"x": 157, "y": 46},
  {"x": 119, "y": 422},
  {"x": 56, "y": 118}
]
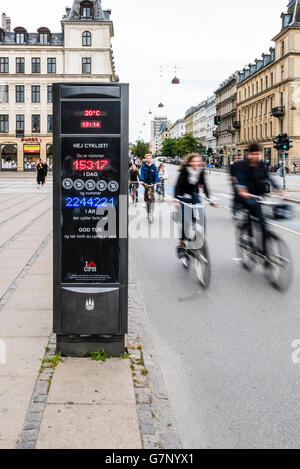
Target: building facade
[
  {"x": 211, "y": 141},
  {"x": 155, "y": 129},
  {"x": 269, "y": 93},
  {"x": 199, "y": 122},
  {"x": 177, "y": 130},
  {"x": 29, "y": 65},
  {"x": 226, "y": 108},
  {"x": 189, "y": 120},
  {"x": 163, "y": 134}
]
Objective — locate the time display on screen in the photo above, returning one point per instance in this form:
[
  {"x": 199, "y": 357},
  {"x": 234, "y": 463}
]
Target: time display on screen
[
  {"x": 91, "y": 165},
  {"x": 89, "y": 202},
  {"x": 90, "y": 124}
]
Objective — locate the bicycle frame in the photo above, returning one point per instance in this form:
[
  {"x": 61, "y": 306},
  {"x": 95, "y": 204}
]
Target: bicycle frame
[{"x": 192, "y": 216}]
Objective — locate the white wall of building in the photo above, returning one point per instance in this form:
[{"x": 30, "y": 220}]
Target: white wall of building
[{"x": 178, "y": 129}]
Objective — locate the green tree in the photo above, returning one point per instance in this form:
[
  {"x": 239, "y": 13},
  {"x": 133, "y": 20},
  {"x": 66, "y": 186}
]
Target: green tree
[
  {"x": 140, "y": 149},
  {"x": 188, "y": 144},
  {"x": 169, "y": 147}
]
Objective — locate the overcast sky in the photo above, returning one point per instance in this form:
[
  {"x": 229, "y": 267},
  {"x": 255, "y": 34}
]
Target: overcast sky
[{"x": 207, "y": 40}]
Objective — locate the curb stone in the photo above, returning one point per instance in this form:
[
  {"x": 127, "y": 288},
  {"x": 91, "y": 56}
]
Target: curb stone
[{"x": 34, "y": 417}]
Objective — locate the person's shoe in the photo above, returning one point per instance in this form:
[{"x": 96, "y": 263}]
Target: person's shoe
[{"x": 180, "y": 252}]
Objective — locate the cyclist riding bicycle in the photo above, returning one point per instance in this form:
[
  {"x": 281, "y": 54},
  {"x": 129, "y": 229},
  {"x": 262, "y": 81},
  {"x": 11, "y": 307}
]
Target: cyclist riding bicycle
[
  {"x": 134, "y": 178},
  {"x": 163, "y": 176},
  {"x": 192, "y": 177},
  {"x": 253, "y": 177},
  {"x": 149, "y": 176}
]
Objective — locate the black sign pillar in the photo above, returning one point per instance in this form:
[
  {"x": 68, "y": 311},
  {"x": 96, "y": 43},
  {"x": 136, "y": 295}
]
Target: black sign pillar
[{"x": 90, "y": 217}]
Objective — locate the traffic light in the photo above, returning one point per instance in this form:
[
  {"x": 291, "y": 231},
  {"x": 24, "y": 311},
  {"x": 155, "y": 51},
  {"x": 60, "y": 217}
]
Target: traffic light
[
  {"x": 218, "y": 120},
  {"x": 283, "y": 143},
  {"x": 277, "y": 143},
  {"x": 209, "y": 151}
]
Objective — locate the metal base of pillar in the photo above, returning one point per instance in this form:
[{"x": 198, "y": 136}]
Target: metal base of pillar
[{"x": 82, "y": 346}]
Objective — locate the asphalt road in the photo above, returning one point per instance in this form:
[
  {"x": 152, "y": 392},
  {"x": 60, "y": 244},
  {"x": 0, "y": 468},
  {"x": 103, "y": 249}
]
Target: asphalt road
[{"x": 226, "y": 353}]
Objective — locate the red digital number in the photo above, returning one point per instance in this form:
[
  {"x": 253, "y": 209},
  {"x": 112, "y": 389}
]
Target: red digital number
[
  {"x": 92, "y": 113},
  {"x": 90, "y": 125},
  {"x": 90, "y": 165}
]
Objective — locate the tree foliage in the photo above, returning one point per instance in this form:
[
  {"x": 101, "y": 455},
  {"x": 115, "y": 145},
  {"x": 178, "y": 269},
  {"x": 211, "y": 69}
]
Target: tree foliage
[
  {"x": 140, "y": 149},
  {"x": 169, "y": 147},
  {"x": 188, "y": 144}
]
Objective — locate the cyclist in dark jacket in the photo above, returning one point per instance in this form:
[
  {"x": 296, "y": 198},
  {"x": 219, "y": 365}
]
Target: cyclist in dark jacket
[
  {"x": 191, "y": 179},
  {"x": 252, "y": 180}
]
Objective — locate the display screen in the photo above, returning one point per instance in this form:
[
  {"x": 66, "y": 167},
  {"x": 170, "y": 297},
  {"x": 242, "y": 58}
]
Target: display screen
[
  {"x": 91, "y": 165},
  {"x": 102, "y": 117},
  {"x": 90, "y": 181}
]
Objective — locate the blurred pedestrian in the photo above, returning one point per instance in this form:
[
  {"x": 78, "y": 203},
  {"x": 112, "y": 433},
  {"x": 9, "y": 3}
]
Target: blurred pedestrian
[{"x": 41, "y": 177}]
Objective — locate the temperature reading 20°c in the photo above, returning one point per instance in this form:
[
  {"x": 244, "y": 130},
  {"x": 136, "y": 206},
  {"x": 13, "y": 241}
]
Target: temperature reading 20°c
[{"x": 92, "y": 113}]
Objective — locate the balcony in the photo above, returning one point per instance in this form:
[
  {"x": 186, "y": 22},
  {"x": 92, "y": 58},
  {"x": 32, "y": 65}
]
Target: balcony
[
  {"x": 237, "y": 124},
  {"x": 278, "y": 111},
  {"x": 231, "y": 130}
]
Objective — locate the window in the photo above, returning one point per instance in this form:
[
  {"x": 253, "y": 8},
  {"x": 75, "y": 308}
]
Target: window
[
  {"x": 3, "y": 93},
  {"x": 35, "y": 94},
  {"x": 282, "y": 99},
  {"x": 36, "y": 123},
  {"x": 86, "y": 38},
  {"x": 4, "y": 123},
  {"x": 20, "y": 94},
  {"x": 4, "y": 65},
  {"x": 257, "y": 87},
  {"x": 267, "y": 82},
  {"x": 20, "y": 65},
  {"x": 266, "y": 107},
  {"x": 282, "y": 49},
  {"x": 20, "y": 38},
  {"x": 282, "y": 72},
  {"x": 86, "y": 10},
  {"x": 36, "y": 65},
  {"x": 272, "y": 78},
  {"x": 49, "y": 124},
  {"x": 49, "y": 93},
  {"x": 43, "y": 38},
  {"x": 271, "y": 100},
  {"x": 266, "y": 130},
  {"x": 20, "y": 119},
  {"x": 261, "y": 85},
  {"x": 51, "y": 66},
  {"x": 86, "y": 65},
  {"x": 271, "y": 129}
]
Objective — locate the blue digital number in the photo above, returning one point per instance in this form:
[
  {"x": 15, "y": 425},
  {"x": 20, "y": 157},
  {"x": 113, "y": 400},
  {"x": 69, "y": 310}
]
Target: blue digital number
[
  {"x": 69, "y": 201},
  {"x": 93, "y": 202}
]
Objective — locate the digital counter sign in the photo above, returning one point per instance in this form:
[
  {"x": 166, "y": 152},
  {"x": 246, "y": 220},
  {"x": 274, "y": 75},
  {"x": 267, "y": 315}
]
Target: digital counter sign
[
  {"x": 99, "y": 118},
  {"x": 90, "y": 217}
]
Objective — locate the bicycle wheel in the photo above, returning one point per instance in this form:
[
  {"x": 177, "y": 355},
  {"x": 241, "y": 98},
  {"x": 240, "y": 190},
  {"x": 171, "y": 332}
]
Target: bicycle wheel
[
  {"x": 279, "y": 271},
  {"x": 150, "y": 212},
  {"x": 246, "y": 258},
  {"x": 203, "y": 266},
  {"x": 186, "y": 262}
]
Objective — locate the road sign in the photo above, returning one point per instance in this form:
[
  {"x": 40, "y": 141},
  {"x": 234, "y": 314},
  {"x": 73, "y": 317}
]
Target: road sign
[{"x": 90, "y": 217}]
